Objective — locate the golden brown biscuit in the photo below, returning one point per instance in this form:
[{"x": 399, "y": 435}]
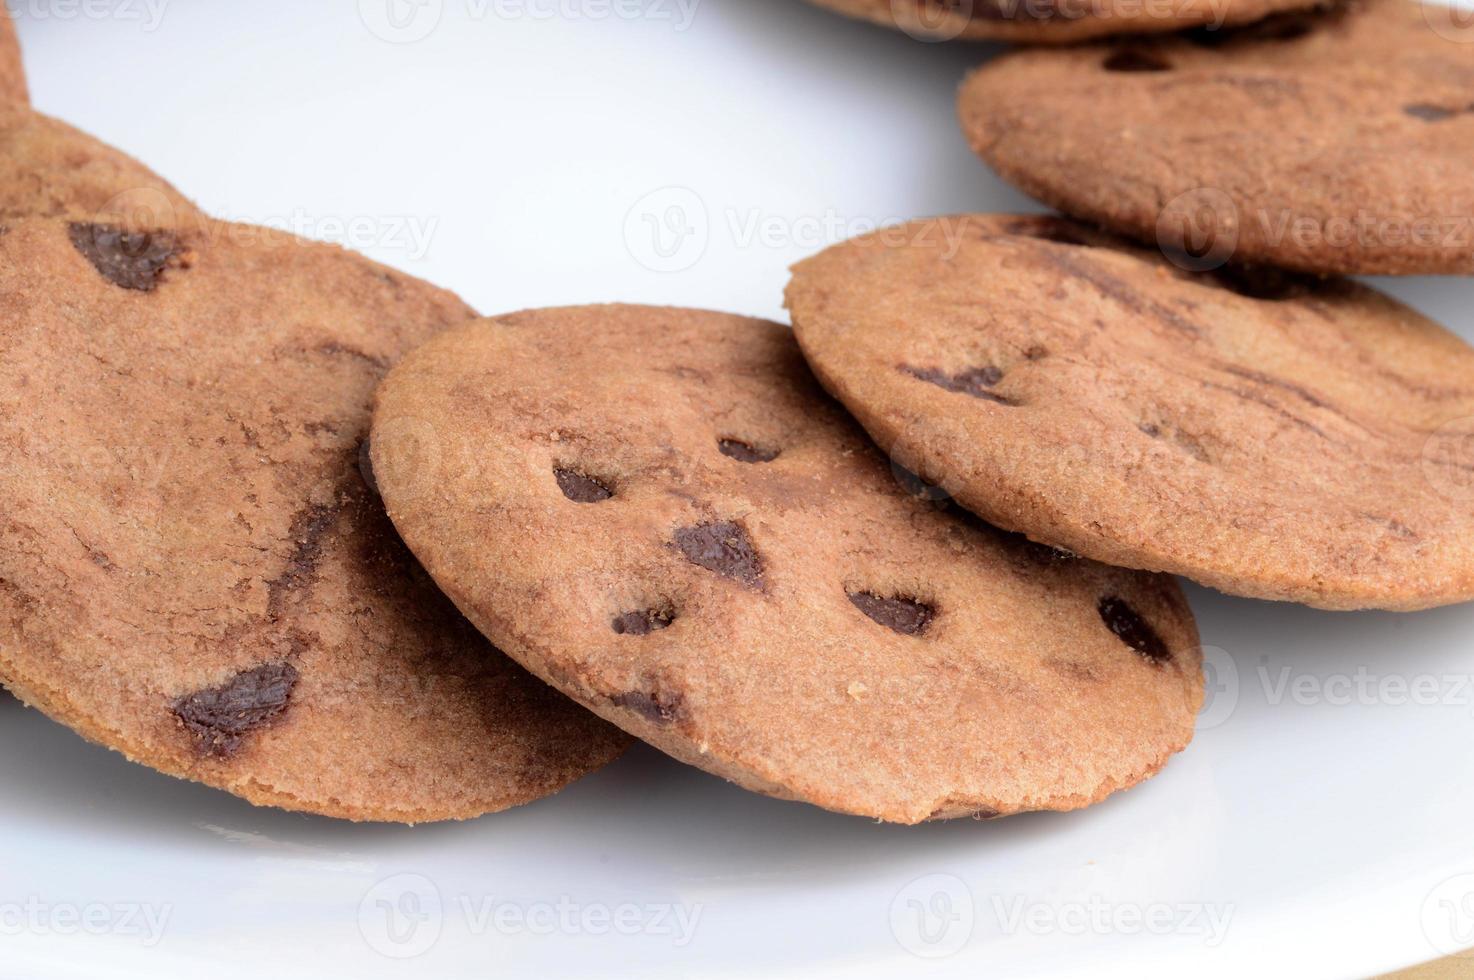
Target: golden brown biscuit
[
  {"x": 12, "y": 69},
  {"x": 1268, "y": 435},
  {"x": 194, "y": 567},
  {"x": 658, "y": 512},
  {"x": 1330, "y": 144},
  {"x": 1053, "y": 21},
  {"x": 49, "y": 169}
]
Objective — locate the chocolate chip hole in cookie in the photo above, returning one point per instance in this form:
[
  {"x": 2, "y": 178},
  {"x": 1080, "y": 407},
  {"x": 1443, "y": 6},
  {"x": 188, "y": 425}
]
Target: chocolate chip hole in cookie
[
  {"x": 643, "y": 622},
  {"x": 903, "y": 614},
  {"x": 133, "y": 260},
  {"x": 1134, "y": 59},
  {"x": 580, "y": 487},
  {"x": 219, "y": 718},
  {"x": 722, "y": 547},
  {"x": 746, "y": 452},
  {"x": 1134, "y": 631},
  {"x": 974, "y": 382}
]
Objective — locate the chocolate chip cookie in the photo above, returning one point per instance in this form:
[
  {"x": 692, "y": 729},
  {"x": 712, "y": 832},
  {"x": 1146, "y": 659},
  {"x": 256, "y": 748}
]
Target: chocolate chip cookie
[
  {"x": 1329, "y": 144},
  {"x": 1053, "y": 21},
  {"x": 1268, "y": 434},
  {"x": 12, "y": 70},
  {"x": 49, "y": 169},
  {"x": 658, "y": 512},
  {"x": 195, "y": 568}
]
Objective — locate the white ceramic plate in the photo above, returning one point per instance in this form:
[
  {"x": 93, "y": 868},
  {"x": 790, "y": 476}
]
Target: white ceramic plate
[{"x": 528, "y": 152}]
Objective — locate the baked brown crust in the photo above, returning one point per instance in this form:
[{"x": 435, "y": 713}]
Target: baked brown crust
[
  {"x": 1053, "y": 21},
  {"x": 1329, "y": 144},
  {"x": 194, "y": 567},
  {"x": 1270, "y": 435},
  {"x": 51, "y": 170},
  {"x": 658, "y": 512}
]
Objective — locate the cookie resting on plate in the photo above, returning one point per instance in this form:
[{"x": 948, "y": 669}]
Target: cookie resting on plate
[
  {"x": 195, "y": 569},
  {"x": 1266, "y": 434},
  {"x": 1334, "y": 143},
  {"x": 659, "y": 512}
]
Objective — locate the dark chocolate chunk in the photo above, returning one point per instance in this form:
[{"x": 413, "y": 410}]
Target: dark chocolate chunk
[
  {"x": 899, "y": 613},
  {"x": 1134, "y": 631},
  {"x": 130, "y": 259},
  {"x": 974, "y": 382},
  {"x": 579, "y": 488},
  {"x": 745, "y": 452},
  {"x": 642, "y": 622},
  {"x": 1429, "y": 113},
  {"x": 722, "y": 547},
  {"x": 221, "y": 717},
  {"x": 656, "y": 707}
]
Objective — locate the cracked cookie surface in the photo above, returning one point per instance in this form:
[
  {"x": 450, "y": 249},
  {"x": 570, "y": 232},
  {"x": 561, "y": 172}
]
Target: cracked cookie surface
[
  {"x": 1267, "y": 434},
  {"x": 1328, "y": 143},
  {"x": 738, "y": 577},
  {"x": 195, "y": 568}
]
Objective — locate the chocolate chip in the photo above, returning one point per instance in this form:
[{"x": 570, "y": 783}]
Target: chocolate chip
[
  {"x": 1428, "y": 112},
  {"x": 579, "y": 488},
  {"x": 130, "y": 259},
  {"x": 642, "y": 622},
  {"x": 659, "y": 708},
  {"x": 744, "y": 452},
  {"x": 907, "y": 616},
  {"x": 220, "y": 717},
  {"x": 722, "y": 547},
  {"x": 1134, "y": 631},
  {"x": 1134, "y": 59},
  {"x": 974, "y": 382}
]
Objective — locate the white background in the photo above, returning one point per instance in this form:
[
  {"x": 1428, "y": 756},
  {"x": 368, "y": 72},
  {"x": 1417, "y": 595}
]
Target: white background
[{"x": 519, "y": 156}]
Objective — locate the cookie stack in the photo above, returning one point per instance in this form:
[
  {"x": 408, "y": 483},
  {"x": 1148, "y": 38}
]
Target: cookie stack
[{"x": 301, "y": 527}]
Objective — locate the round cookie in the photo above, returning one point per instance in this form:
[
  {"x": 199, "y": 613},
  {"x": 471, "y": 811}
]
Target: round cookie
[
  {"x": 50, "y": 169},
  {"x": 1265, "y": 434},
  {"x": 1330, "y": 144},
  {"x": 194, "y": 567},
  {"x": 12, "y": 70},
  {"x": 1053, "y": 21},
  {"x": 658, "y": 512}
]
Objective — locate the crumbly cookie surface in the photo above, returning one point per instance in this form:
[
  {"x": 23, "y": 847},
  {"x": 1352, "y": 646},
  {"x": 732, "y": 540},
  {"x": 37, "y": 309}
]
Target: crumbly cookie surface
[
  {"x": 50, "y": 169},
  {"x": 659, "y": 512},
  {"x": 1334, "y": 143},
  {"x": 1053, "y": 21},
  {"x": 194, "y": 566},
  {"x": 1270, "y": 435},
  {"x": 12, "y": 70}
]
